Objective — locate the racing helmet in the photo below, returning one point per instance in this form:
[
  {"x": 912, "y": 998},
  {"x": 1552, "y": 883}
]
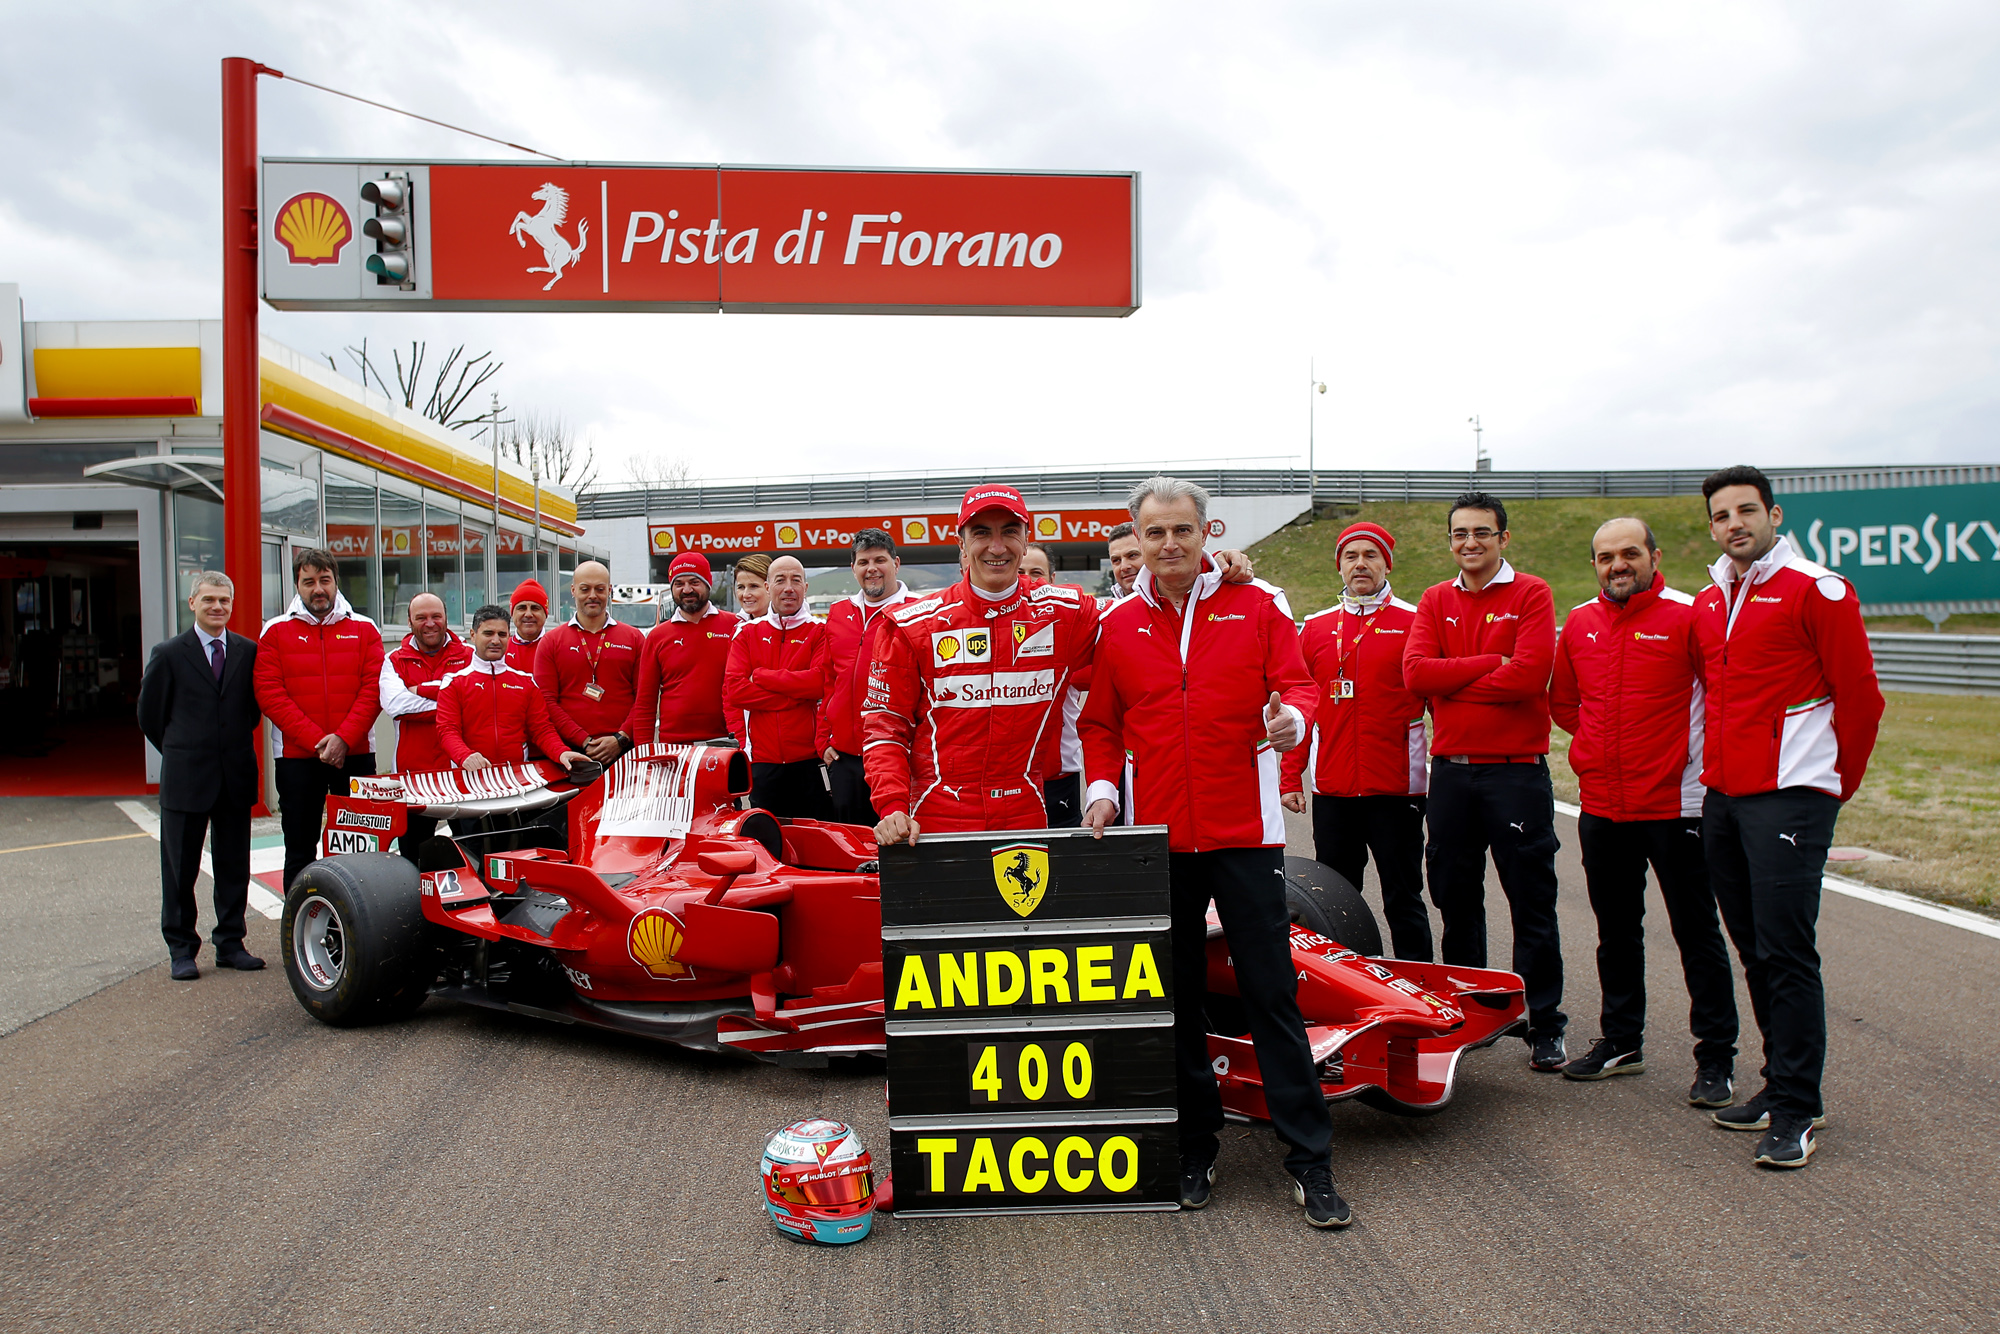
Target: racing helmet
[{"x": 819, "y": 1183}]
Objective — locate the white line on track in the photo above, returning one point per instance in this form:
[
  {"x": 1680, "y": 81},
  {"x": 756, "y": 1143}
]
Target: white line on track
[
  {"x": 261, "y": 859},
  {"x": 1887, "y": 898}
]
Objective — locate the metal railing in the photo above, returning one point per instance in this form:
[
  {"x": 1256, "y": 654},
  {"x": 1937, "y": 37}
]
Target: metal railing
[{"x": 1938, "y": 664}]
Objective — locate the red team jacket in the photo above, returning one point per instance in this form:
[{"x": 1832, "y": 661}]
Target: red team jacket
[
  {"x": 961, "y": 691},
  {"x": 1480, "y": 709},
  {"x": 1792, "y": 699},
  {"x": 569, "y": 659},
  {"x": 1628, "y": 690},
  {"x": 776, "y": 674},
  {"x": 850, "y": 633},
  {"x": 1368, "y": 737},
  {"x": 411, "y": 679},
  {"x": 521, "y": 652},
  {"x": 490, "y": 708},
  {"x": 680, "y": 678},
  {"x": 1185, "y": 694},
  {"x": 319, "y": 677}
]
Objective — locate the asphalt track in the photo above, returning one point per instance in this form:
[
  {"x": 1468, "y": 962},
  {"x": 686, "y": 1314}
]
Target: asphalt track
[{"x": 205, "y": 1156}]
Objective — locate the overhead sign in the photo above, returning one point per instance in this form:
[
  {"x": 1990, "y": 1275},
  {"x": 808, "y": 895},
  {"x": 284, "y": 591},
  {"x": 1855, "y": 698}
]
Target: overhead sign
[
  {"x": 819, "y": 534},
  {"x": 1903, "y": 545},
  {"x": 347, "y": 235},
  {"x": 1028, "y": 983}
]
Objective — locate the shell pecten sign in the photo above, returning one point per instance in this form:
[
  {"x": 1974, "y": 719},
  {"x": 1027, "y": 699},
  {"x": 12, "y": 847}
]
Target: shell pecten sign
[{"x": 313, "y": 228}]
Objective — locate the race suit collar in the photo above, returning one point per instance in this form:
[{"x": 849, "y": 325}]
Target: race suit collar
[
  {"x": 861, "y": 601},
  {"x": 803, "y": 617},
  {"x": 1638, "y": 600},
  {"x": 1367, "y": 606},
  {"x": 680, "y": 614},
  {"x": 1205, "y": 583},
  {"x": 493, "y": 668},
  {"x": 341, "y": 610},
  {"x": 450, "y": 638},
  {"x": 609, "y": 621},
  {"x": 1504, "y": 575},
  {"x": 1723, "y": 572}
]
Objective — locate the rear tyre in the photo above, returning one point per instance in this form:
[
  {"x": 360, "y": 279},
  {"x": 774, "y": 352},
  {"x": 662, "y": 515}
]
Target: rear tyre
[
  {"x": 1320, "y": 899},
  {"x": 357, "y": 948}
]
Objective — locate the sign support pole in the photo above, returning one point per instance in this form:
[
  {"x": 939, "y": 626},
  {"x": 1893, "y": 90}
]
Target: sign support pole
[{"x": 242, "y": 519}]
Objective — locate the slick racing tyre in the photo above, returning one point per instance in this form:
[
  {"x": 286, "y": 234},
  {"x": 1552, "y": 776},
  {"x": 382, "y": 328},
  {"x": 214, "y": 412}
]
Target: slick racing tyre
[
  {"x": 1320, "y": 899},
  {"x": 357, "y": 948}
]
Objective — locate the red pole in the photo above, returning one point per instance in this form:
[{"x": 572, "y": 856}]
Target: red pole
[{"x": 242, "y": 504}]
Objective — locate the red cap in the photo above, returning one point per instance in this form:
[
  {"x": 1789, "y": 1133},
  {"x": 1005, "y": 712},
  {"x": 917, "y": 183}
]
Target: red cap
[
  {"x": 993, "y": 496},
  {"x": 1375, "y": 533},
  {"x": 529, "y": 591},
  {"x": 694, "y": 563}
]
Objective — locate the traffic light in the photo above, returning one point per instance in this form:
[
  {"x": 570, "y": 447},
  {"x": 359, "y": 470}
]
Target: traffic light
[{"x": 393, "y": 262}]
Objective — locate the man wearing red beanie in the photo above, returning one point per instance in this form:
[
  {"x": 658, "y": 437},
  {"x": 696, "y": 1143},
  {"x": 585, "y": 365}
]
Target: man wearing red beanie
[
  {"x": 679, "y": 697},
  {"x": 530, "y": 607},
  {"x": 1365, "y": 766}
]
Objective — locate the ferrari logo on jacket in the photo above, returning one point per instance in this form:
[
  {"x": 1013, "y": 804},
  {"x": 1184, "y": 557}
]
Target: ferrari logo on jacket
[{"x": 1021, "y": 870}]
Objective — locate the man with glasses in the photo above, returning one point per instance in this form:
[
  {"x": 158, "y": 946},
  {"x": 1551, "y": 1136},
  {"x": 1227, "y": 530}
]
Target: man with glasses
[{"x": 1480, "y": 652}]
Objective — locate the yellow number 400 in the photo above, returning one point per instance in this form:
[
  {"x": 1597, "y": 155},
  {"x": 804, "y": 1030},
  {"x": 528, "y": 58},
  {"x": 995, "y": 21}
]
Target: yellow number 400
[{"x": 1031, "y": 1073}]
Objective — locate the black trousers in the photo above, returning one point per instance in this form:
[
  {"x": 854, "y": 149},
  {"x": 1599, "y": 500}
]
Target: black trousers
[
  {"x": 304, "y": 784},
  {"x": 1248, "y": 887},
  {"x": 1510, "y": 809},
  {"x": 791, "y": 791},
  {"x": 1766, "y": 855},
  {"x": 421, "y": 827},
  {"x": 853, "y": 803},
  {"x": 1615, "y": 856},
  {"x": 1347, "y": 829},
  {"x": 1063, "y": 796},
  {"x": 181, "y": 834}
]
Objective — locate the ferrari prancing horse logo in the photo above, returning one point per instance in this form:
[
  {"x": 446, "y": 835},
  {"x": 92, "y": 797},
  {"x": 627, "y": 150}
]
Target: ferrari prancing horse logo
[{"x": 1021, "y": 871}]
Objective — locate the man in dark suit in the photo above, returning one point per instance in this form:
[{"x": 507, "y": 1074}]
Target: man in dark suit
[{"x": 198, "y": 705}]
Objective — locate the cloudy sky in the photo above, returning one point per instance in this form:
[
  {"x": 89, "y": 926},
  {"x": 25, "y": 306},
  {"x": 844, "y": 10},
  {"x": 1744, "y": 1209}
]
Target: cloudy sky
[{"x": 1623, "y": 235}]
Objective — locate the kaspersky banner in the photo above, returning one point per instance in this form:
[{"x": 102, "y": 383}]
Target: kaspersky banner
[
  {"x": 350, "y": 235},
  {"x": 1902, "y": 545}
]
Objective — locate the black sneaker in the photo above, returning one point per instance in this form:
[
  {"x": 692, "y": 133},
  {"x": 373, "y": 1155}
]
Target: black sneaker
[
  {"x": 1197, "y": 1181},
  {"x": 1788, "y": 1143},
  {"x": 1754, "y": 1114},
  {"x": 1605, "y": 1059},
  {"x": 1314, "y": 1189},
  {"x": 1712, "y": 1087},
  {"x": 1546, "y": 1052}
]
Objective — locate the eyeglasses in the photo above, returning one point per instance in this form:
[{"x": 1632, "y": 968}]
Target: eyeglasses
[{"x": 1467, "y": 534}]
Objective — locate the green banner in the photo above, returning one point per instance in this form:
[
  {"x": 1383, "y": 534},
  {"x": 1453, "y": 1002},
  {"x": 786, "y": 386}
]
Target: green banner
[{"x": 1914, "y": 544}]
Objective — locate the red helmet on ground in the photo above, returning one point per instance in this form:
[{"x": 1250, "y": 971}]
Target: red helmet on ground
[{"x": 819, "y": 1183}]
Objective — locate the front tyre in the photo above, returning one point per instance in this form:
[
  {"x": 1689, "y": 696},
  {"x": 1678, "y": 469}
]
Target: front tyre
[
  {"x": 356, "y": 946},
  {"x": 1319, "y": 898}
]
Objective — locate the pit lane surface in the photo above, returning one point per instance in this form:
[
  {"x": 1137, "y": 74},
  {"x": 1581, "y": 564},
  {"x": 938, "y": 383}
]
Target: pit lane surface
[{"x": 205, "y": 1156}]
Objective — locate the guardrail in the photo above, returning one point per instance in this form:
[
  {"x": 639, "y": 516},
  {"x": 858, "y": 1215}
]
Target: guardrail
[
  {"x": 1938, "y": 664},
  {"x": 1334, "y": 486}
]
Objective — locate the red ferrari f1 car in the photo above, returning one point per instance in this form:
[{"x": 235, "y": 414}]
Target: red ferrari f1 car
[{"x": 680, "y": 917}]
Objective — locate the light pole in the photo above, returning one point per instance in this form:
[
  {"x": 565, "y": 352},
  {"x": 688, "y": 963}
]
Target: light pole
[
  {"x": 1480, "y": 463},
  {"x": 1312, "y": 416}
]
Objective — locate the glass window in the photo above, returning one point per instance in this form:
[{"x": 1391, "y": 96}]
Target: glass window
[
  {"x": 291, "y": 502},
  {"x": 197, "y": 545},
  {"x": 53, "y": 462},
  {"x": 514, "y": 561},
  {"x": 478, "y": 537},
  {"x": 565, "y": 567},
  {"x": 402, "y": 547},
  {"x": 441, "y": 574},
  {"x": 351, "y": 537},
  {"x": 278, "y": 589}
]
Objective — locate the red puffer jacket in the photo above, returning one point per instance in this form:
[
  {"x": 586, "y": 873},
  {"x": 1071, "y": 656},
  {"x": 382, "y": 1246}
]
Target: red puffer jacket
[
  {"x": 1368, "y": 739},
  {"x": 315, "y": 677},
  {"x": 1627, "y": 687},
  {"x": 411, "y": 679},
  {"x": 491, "y": 709},
  {"x": 1185, "y": 694},
  {"x": 776, "y": 675}
]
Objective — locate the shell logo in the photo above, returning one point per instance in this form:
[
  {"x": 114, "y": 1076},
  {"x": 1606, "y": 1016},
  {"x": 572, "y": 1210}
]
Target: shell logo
[
  {"x": 652, "y": 939},
  {"x": 1048, "y": 527},
  {"x": 313, "y": 228},
  {"x": 788, "y": 535},
  {"x": 663, "y": 539},
  {"x": 917, "y": 532},
  {"x": 947, "y": 648}
]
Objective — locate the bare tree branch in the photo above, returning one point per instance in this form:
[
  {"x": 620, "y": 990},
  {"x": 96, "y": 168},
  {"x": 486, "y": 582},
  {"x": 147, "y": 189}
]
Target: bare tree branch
[
  {"x": 545, "y": 441},
  {"x": 659, "y": 472}
]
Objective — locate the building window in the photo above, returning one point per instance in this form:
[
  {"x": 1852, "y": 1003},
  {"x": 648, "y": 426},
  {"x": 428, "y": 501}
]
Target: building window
[
  {"x": 402, "y": 547},
  {"x": 442, "y": 574},
  {"x": 514, "y": 560},
  {"x": 197, "y": 545},
  {"x": 351, "y": 535},
  {"x": 478, "y": 537},
  {"x": 291, "y": 503},
  {"x": 565, "y": 567}
]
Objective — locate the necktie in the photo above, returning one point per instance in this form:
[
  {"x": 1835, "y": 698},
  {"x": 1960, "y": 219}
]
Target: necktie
[{"x": 215, "y": 658}]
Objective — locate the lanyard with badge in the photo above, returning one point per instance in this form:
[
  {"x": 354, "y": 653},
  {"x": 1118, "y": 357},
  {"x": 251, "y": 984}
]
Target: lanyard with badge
[
  {"x": 1340, "y": 687},
  {"x": 594, "y": 691}
]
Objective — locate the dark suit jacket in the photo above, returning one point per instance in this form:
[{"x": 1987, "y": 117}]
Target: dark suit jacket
[{"x": 205, "y": 733}]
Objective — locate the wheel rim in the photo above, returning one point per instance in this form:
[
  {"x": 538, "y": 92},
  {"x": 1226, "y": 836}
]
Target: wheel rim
[{"x": 319, "y": 943}]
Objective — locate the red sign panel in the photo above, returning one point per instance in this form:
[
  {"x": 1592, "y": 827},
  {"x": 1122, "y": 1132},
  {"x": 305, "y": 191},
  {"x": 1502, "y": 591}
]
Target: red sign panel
[
  {"x": 705, "y": 238},
  {"x": 909, "y": 530}
]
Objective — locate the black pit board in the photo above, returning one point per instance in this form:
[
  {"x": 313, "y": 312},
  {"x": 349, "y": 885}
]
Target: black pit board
[{"x": 1028, "y": 978}]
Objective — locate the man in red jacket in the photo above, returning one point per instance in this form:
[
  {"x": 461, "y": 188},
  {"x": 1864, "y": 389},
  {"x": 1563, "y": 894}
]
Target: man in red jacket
[
  {"x": 679, "y": 696},
  {"x": 1627, "y": 689},
  {"x": 588, "y": 669},
  {"x": 850, "y": 635},
  {"x": 319, "y": 671},
  {"x": 777, "y": 675},
  {"x": 488, "y": 712},
  {"x": 411, "y": 677},
  {"x": 1202, "y": 682},
  {"x": 1792, "y": 708},
  {"x": 530, "y": 609},
  {"x": 1366, "y": 761},
  {"x": 1480, "y": 652}
]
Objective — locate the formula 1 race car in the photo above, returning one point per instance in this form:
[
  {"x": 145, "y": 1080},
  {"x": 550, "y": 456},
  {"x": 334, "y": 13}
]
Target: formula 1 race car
[{"x": 677, "y": 916}]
